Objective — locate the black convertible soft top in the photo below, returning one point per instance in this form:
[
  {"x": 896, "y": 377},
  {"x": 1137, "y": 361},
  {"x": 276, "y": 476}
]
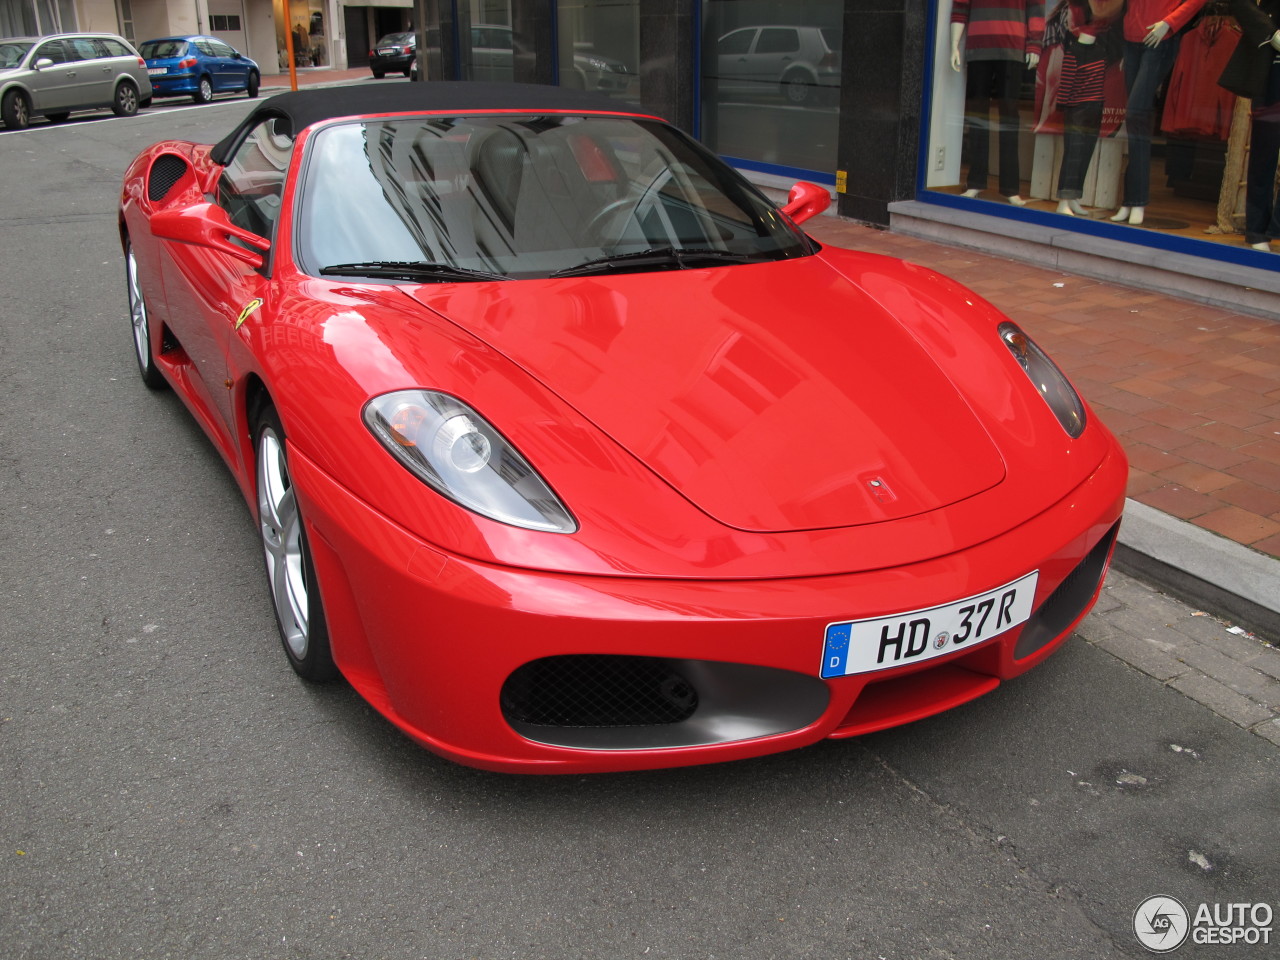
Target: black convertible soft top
[{"x": 301, "y": 108}]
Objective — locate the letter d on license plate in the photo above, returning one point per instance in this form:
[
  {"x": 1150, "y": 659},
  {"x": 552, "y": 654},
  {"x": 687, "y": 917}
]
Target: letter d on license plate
[{"x": 863, "y": 646}]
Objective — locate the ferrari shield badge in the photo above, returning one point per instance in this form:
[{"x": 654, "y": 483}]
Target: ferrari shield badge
[{"x": 247, "y": 312}]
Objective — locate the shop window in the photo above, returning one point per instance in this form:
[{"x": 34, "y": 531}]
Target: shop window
[
  {"x": 306, "y": 22},
  {"x": 1080, "y": 110}
]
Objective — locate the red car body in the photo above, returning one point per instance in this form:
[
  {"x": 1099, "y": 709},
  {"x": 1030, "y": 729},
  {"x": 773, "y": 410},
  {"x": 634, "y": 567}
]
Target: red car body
[{"x": 759, "y": 459}]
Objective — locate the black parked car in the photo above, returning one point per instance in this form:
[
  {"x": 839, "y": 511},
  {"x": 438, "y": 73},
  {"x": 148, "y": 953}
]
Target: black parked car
[{"x": 393, "y": 53}]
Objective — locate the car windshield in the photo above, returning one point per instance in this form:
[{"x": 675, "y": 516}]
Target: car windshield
[
  {"x": 527, "y": 196},
  {"x": 397, "y": 38},
  {"x": 12, "y": 52},
  {"x": 162, "y": 49}
]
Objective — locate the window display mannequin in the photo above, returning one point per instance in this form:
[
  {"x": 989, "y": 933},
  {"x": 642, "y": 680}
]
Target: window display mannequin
[
  {"x": 1254, "y": 72},
  {"x": 1150, "y": 47},
  {"x": 1081, "y": 95},
  {"x": 997, "y": 41}
]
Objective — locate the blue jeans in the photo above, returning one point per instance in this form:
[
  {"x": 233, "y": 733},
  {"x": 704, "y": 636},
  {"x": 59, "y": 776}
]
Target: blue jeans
[
  {"x": 1145, "y": 68},
  {"x": 1261, "y": 205}
]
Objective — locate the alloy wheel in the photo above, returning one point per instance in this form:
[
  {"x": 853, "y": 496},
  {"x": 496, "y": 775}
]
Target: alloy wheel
[{"x": 281, "y": 528}]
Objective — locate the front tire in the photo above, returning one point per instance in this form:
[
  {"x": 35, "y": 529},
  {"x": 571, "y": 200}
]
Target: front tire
[
  {"x": 15, "y": 111},
  {"x": 125, "y": 103},
  {"x": 141, "y": 322},
  {"x": 204, "y": 91},
  {"x": 291, "y": 578}
]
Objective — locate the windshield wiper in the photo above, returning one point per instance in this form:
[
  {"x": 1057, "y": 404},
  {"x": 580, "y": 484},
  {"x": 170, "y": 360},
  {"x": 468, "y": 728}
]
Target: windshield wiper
[
  {"x": 682, "y": 257},
  {"x": 411, "y": 270}
]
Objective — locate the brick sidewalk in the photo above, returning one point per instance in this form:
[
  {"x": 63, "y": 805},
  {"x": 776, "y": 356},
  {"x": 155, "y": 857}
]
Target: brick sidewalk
[
  {"x": 1193, "y": 392},
  {"x": 319, "y": 76}
]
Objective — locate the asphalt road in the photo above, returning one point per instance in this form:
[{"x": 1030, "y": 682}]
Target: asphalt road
[{"x": 169, "y": 789}]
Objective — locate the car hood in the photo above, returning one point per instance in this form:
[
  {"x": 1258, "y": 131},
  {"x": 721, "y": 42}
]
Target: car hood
[{"x": 774, "y": 397}]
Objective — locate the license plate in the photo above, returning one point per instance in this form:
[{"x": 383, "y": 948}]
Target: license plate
[
  {"x": 387, "y": 51},
  {"x": 881, "y": 643},
  {"x": 157, "y": 71}
]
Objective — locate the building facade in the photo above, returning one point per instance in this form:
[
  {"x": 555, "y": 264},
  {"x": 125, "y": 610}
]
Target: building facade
[{"x": 1027, "y": 111}]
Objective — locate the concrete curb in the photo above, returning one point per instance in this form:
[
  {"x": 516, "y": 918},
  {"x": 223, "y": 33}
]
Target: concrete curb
[{"x": 1223, "y": 577}]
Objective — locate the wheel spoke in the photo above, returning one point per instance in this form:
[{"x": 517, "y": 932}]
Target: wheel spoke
[
  {"x": 137, "y": 310},
  {"x": 281, "y": 529}
]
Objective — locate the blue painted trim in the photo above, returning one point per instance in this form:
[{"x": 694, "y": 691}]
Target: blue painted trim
[
  {"x": 817, "y": 176},
  {"x": 457, "y": 41},
  {"x": 926, "y": 114},
  {"x": 555, "y": 41},
  {"x": 697, "y": 71},
  {"x": 1205, "y": 249}
]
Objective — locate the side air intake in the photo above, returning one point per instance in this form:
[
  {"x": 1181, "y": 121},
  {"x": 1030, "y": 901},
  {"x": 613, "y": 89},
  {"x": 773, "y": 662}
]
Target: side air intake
[{"x": 165, "y": 173}]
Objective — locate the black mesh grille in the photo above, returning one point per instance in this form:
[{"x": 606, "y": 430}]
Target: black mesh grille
[
  {"x": 598, "y": 690},
  {"x": 165, "y": 172},
  {"x": 1066, "y": 602}
]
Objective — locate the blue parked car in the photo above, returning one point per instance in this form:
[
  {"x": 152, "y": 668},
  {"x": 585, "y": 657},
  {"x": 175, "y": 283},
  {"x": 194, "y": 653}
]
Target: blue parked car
[{"x": 198, "y": 67}]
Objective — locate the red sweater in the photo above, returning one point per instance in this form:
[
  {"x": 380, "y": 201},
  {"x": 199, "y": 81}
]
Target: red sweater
[
  {"x": 1143, "y": 14},
  {"x": 1001, "y": 29}
]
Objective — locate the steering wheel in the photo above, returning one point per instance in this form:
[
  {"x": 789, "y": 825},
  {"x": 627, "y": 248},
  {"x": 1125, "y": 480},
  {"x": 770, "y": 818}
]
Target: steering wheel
[
  {"x": 599, "y": 227},
  {"x": 596, "y": 225}
]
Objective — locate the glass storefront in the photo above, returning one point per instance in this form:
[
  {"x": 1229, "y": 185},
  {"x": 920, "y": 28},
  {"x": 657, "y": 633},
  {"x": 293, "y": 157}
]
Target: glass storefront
[
  {"x": 306, "y": 22},
  {"x": 1078, "y": 109},
  {"x": 599, "y": 46},
  {"x": 771, "y": 75}
]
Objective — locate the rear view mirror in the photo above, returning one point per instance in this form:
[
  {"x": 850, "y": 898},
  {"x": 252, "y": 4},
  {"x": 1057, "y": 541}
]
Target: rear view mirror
[
  {"x": 806, "y": 200},
  {"x": 206, "y": 225}
]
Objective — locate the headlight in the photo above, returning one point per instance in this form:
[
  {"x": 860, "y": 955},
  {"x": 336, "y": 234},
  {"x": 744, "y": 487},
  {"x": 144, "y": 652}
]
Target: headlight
[
  {"x": 454, "y": 450},
  {"x": 1047, "y": 378}
]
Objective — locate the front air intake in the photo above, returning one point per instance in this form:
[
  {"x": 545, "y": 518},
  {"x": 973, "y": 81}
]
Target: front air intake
[
  {"x": 1065, "y": 605},
  {"x": 596, "y": 690}
]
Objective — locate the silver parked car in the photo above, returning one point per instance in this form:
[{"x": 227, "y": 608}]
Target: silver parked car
[
  {"x": 800, "y": 63},
  {"x": 51, "y": 76}
]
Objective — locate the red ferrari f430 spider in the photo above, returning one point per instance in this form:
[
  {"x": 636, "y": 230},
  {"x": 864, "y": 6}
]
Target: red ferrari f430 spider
[{"x": 572, "y": 452}]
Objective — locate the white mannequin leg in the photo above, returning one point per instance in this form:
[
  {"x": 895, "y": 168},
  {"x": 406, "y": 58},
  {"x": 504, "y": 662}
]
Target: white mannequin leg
[
  {"x": 1017, "y": 200},
  {"x": 1265, "y": 246},
  {"x": 1136, "y": 215},
  {"x": 1071, "y": 208},
  {"x": 970, "y": 193},
  {"x": 1120, "y": 215}
]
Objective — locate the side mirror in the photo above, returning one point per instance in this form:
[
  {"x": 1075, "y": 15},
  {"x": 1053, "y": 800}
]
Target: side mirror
[
  {"x": 206, "y": 225},
  {"x": 806, "y": 200},
  {"x": 42, "y": 63},
  {"x": 237, "y": 55}
]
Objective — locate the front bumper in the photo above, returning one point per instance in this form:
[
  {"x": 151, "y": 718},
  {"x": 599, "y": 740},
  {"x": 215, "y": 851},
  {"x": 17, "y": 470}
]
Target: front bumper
[{"x": 461, "y": 655}]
